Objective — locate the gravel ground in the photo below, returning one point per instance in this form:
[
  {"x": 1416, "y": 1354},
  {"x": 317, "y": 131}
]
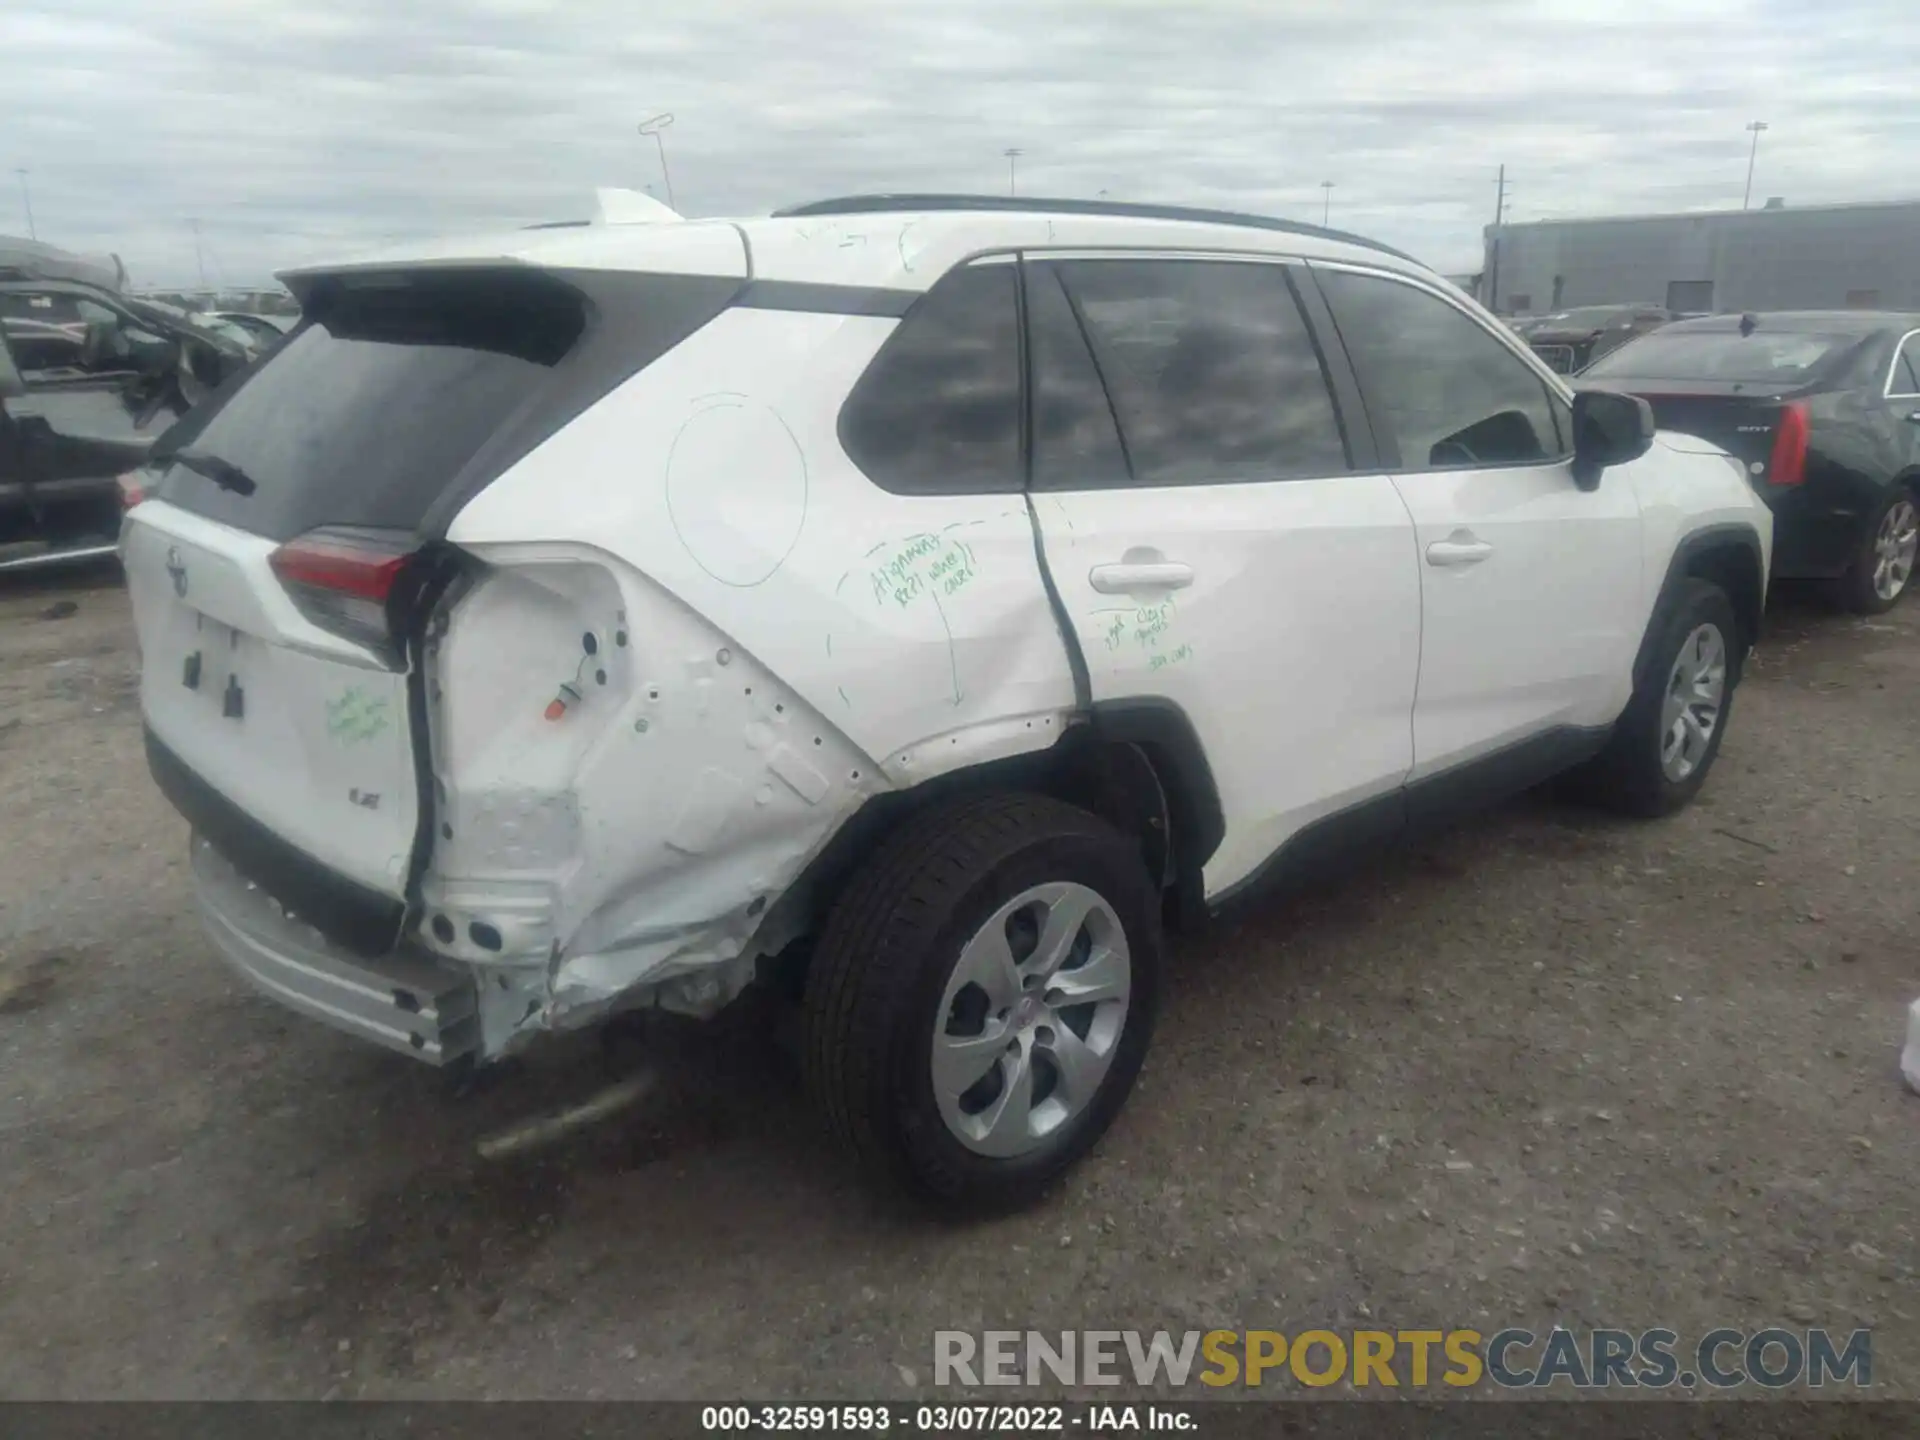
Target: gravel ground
[{"x": 1552, "y": 1068}]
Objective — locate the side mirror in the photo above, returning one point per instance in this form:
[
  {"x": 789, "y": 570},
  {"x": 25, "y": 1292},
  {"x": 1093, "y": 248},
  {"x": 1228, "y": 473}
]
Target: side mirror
[{"x": 1609, "y": 428}]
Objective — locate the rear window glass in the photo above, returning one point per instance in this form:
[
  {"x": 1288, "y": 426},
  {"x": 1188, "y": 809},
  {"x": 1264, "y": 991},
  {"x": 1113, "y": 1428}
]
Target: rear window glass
[
  {"x": 369, "y": 412},
  {"x": 401, "y": 397},
  {"x": 1780, "y": 357}
]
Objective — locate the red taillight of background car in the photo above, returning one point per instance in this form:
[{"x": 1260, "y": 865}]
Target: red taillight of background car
[
  {"x": 1789, "y": 463},
  {"x": 342, "y": 579}
]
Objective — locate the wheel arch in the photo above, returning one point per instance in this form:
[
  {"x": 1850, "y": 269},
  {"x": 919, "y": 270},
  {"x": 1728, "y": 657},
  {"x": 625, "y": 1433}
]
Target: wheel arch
[
  {"x": 1730, "y": 556},
  {"x": 1136, "y": 763}
]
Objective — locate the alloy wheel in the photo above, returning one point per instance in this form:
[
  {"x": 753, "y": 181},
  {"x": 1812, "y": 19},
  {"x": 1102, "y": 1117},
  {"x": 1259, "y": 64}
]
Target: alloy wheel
[
  {"x": 1696, "y": 691},
  {"x": 1894, "y": 547},
  {"x": 1031, "y": 1019}
]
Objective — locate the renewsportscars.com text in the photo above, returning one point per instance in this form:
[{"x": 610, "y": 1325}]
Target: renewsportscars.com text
[{"x": 1512, "y": 1358}]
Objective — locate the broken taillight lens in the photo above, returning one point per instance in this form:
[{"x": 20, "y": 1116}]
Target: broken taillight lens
[
  {"x": 342, "y": 578},
  {"x": 1788, "y": 465},
  {"x": 133, "y": 488}
]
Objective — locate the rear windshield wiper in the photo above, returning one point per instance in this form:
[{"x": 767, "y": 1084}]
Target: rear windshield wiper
[{"x": 224, "y": 473}]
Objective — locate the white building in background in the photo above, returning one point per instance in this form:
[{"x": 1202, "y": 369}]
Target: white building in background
[{"x": 1827, "y": 257}]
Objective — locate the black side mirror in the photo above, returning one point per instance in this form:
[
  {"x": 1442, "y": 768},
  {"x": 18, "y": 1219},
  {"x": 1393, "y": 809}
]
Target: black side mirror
[{"x": 1609, "y": 428}]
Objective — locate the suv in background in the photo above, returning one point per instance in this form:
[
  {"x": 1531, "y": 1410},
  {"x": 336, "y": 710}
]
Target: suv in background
[{"x": 910, "y": 601}]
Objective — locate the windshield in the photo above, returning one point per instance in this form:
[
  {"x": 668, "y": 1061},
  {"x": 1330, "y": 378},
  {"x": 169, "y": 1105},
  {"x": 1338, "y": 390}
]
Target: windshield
[{"x": 1779, "y": 358}]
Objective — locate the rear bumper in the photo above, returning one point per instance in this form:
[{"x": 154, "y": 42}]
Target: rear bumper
[
  {"x": 404, "y": 1001},
  {"x": 361, "y": 921}
]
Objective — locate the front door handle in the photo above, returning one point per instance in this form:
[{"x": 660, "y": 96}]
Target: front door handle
[
  {"x": 1129, "y": 576},
  {"x": 1459, "y": 548}
]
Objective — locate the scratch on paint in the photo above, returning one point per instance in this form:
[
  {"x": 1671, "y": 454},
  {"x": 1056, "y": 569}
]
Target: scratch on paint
[
  {"x": 829, "y": 647},
  {"x": 843, "y": 697}
]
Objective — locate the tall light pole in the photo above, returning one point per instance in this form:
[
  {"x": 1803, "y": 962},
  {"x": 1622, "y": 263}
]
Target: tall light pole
[
  {"x": 1013, "y": 154},
  {"x": 26, "y": 199},
  {"x": 1326, "y": 204},
  {"x": 199, "y": 254},
  {"x": 1753, "y": 154},
  {"x": 653, "y": 126}
]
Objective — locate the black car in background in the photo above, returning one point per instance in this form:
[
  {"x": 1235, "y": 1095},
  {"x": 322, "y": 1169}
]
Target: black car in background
[
  {"x": 89, "y": 378},
  {"x": 1571, "y": 340},
  {"x": 1823, "y": 408}
]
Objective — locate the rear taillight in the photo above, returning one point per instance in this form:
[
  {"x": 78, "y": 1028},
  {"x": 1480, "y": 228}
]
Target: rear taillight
[
  {"x": 1789, "y": 463},
  {"x": 343, "y": 578},
  {"x": 133, "y": 488}
]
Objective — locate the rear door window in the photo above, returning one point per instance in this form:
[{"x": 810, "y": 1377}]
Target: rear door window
[
  {"x": 1076, "y": 439},
  {"x": 938, "y": 410},
  {"x": 1213, "y": 373},
  {"x": 1452, "y": 395}
]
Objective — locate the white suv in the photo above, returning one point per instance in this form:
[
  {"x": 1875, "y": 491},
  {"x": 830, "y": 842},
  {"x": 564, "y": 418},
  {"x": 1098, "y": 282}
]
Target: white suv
[{"x": 919, "y": 597}]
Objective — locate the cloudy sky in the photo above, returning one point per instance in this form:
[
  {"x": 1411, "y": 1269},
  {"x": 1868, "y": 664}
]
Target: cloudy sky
[{"x": 296, "y": 128}]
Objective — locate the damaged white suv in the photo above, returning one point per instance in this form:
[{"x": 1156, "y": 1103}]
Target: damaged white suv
[{"x": 923, "y": 596}]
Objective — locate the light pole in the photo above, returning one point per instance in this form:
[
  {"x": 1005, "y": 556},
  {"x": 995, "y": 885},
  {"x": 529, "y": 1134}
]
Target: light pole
[
  {"x": 26, "y": 198},
  {"x": 1753, "y": 154},
  {"x": 1013, "y": 154},
  {"x": 654, "y": 126},
  {"x": 1326, "y": 204}
]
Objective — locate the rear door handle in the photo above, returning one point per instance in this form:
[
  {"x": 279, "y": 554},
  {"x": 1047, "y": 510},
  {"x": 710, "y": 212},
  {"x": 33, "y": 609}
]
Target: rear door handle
[
  {"x": 1129, "y": 576},
  {"x": 1459, "y": 548}
]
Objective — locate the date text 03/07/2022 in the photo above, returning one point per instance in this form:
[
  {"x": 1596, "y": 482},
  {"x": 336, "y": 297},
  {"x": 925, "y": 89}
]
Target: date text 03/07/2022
[{"x": 1096, "y": 1418}]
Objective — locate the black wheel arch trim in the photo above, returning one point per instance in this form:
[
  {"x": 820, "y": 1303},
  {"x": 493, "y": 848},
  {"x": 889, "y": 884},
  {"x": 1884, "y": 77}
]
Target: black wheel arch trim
[
  {"x": 1162, "y": 728},
  {"x": 1693, "y": 545}
]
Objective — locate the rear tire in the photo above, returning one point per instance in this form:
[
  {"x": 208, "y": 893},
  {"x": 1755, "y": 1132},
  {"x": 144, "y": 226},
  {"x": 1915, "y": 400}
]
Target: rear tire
[
  {"x": 1667, "y": 738},
  {"x": 949, "y": 1037},
  {"x": 1883, "y": 559}
]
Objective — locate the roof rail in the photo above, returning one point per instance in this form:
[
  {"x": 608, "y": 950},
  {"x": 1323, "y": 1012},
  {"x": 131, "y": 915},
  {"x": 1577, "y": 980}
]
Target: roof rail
[{"x": 1020, "y": 204}]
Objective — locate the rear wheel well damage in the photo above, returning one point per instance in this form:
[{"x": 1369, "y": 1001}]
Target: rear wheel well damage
[{"x": 1138, "y": 766}]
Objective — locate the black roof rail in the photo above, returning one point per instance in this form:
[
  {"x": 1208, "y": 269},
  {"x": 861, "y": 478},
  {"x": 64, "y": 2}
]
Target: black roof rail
[{"x": 1021, "y": 204}]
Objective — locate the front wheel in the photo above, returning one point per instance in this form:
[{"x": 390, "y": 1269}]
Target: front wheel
[
  {"x": 1666, "y": 740},
  {"x": 1884, "y": 559},
  {"x": 982, "y": 997}
]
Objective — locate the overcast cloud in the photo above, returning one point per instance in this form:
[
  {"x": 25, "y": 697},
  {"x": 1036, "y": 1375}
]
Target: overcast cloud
[{"x": 297, "y": 128}]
